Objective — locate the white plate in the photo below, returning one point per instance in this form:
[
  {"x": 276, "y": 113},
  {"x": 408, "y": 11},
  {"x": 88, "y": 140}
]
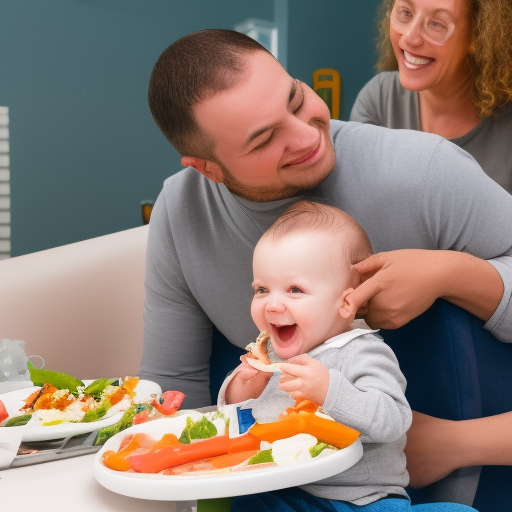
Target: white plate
[
  {"x": 14, "y": 400},
  {"x": 256, "y": 363},
  {"x": 182, "y": 488}
]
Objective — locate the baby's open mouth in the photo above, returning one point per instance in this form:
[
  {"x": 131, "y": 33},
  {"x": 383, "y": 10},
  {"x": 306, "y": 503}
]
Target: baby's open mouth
[{"x": 284, "y": 333}]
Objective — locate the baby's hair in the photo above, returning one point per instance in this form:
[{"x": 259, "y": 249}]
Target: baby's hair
[{"x": 313, "y": 216}]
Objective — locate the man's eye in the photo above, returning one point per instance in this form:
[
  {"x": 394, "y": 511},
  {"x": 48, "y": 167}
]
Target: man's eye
[
  {"x": 298, "y": 99},
  {"x": 265, "y": 142},
  {"x": 296, "y": 109}
]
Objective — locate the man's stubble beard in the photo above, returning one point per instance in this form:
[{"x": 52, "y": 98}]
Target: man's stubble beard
[{"x": 260, "y": 195}]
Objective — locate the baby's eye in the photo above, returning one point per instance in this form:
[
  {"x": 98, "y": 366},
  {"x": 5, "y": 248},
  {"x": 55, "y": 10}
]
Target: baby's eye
[
  {"x": 259, "y": 290},
  {"x": 295, "y": 289}
]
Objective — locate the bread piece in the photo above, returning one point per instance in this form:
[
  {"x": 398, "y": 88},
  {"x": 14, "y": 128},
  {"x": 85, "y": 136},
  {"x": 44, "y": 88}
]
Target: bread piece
[
  {"x": 257, "y": 355},
  {"x": 258, "y": 349}
]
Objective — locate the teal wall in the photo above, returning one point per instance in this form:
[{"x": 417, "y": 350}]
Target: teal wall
[
  {"x": 334, "y": 34},
  {"x": 74, "y": 73}
]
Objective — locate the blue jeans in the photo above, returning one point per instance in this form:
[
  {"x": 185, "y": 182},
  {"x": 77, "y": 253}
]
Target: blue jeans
[{"x": 297, "y": 500}]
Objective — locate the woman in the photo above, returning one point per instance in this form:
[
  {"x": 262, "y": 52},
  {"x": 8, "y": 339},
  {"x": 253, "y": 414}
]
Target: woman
[{"x": 447, "y": 69}]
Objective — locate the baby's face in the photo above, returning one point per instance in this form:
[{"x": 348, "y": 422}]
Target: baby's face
[{"x": 297, "y": 292}]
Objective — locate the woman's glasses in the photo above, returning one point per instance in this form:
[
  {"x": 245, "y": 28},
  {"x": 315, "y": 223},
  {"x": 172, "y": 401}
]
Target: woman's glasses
[{"x": 435, "y": 26}]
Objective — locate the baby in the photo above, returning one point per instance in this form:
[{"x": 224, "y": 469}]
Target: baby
[{"x": 303, "y": 279}]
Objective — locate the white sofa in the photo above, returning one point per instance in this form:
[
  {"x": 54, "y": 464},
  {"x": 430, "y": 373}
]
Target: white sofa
[{"x": 79, "y": 306}]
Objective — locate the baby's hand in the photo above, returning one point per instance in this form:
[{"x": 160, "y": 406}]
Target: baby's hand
[
  {"x": 304, "y": 377},
  {"x": 247, "y": 382},
  {"x": 245, "y": 372}
]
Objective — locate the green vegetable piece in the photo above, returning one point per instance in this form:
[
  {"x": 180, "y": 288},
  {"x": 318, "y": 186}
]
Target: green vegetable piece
[
  {"x": 98, "y": 413},
  {"x": 185, "y": 435},
  {"x": 107, "y": 432},
  {"x": 97, "y": 387},
  {"x": 262, "y": 457},
  {"x": 17, "y": 421},
  {"x": 319, "y": 448},
  {"x": 57, "y": 379},
  {"x": 203, "y": 429}
]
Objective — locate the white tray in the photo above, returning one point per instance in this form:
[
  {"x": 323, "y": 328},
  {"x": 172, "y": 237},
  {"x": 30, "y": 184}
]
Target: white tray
[{"x": 183, "y": 488}]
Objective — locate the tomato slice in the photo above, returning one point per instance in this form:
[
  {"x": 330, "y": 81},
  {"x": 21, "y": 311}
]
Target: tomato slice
[
  {"x": 3, "y": 412},
  {"x": 172, "y": 401}
]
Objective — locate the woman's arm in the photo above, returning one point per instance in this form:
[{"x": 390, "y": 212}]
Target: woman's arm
[{"x": 436, "y": 447}]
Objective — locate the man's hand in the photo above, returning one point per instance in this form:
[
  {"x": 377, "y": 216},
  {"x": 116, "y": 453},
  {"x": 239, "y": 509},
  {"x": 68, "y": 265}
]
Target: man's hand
[
  {"x": 397, "y": 286},
  {"x": 305, "y": 377}
]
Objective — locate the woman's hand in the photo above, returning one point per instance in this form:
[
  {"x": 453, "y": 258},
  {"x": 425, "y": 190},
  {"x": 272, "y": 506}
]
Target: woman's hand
[
  {"x": 304, "y": 377},
  {"x": 398, "y": 286}
]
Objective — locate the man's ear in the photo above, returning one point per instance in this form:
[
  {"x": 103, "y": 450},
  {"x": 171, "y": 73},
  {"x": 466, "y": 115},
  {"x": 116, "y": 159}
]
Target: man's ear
[
  {"x": 207, "y": 168},
  {"x": 347, "y": 308}
]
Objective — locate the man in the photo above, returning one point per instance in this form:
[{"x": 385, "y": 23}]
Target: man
[{"x": 253, "y": 140}]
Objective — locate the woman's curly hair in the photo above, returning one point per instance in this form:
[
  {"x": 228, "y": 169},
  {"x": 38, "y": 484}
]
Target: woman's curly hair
[{"x": 489, "y": 58}]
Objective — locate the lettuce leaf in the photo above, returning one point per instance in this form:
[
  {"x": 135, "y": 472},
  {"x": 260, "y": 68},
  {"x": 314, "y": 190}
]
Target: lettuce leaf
[{"x": 60, "y": 380}]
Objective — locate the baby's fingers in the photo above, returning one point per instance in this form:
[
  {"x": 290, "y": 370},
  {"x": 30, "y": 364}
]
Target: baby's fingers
[{"x": 291, "y": 386}]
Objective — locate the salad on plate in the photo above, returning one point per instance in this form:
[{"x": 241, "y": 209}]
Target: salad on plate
[{"x": 59, "y": 405}]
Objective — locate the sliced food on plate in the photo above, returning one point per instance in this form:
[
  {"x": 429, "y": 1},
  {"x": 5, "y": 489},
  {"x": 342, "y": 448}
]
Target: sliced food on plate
[
  {"x": 193, "y": 443},
  {"x": 67, "y": 405}
]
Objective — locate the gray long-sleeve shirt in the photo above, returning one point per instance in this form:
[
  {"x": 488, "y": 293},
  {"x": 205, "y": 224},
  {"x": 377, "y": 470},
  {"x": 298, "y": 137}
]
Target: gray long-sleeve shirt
[
  {"x": 366, "y": 392},
  {"x": 384, "y": 102},
  {"x": 407, "y": 189}
]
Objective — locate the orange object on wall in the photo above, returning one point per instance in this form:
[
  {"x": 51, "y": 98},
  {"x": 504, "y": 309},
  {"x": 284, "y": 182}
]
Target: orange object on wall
[{"x": 327, "y": 84}]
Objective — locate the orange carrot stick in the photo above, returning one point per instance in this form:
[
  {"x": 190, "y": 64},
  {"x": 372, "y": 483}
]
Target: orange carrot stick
[
  {"x": 325, "y": 430},
  {"x": 118, "y": 461},
  {"x": 158, "y": 459},
  {"x": 230, "y": 459}
]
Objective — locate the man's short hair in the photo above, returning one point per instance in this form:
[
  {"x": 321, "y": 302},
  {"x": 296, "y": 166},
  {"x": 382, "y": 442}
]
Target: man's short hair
[{"x": 193, "y": 69}]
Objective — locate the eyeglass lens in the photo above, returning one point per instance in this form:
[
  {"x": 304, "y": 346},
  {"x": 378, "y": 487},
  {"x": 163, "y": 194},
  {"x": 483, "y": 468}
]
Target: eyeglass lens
[{"x": 435, "y": 25}]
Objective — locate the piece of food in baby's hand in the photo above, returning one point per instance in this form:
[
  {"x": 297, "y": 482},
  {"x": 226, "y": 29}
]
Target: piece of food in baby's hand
[
  {"x": 258, "y": 349},
  {"x": 257, "y": 355}
]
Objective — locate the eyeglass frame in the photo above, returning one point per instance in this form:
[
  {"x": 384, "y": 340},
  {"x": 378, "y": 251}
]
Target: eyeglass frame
[{"x": 403, "y": 27}]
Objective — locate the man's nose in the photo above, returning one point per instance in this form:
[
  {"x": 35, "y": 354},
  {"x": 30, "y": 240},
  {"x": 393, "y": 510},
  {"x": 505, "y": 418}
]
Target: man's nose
[{"x": 301, "y": 133}]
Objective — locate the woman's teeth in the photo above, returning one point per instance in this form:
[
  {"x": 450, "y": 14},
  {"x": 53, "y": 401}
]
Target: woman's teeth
[{"x": 418, "y": 61}]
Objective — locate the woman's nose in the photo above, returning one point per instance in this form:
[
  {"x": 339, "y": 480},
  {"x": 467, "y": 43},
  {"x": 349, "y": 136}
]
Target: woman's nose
[{"x": 412, "y": 34}]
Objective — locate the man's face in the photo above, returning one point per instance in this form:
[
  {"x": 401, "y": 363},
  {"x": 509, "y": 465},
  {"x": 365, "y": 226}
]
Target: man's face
[{"x": 271, "y": 133}]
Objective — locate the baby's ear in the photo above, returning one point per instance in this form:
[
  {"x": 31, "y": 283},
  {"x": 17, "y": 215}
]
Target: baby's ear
[{"x": 347, "y": 308}]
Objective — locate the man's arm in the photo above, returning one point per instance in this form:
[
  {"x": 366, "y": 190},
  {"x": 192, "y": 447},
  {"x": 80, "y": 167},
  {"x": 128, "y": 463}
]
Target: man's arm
[
  {"x": 462, "y": 213},
  {"x": 177, "y": 333}
]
